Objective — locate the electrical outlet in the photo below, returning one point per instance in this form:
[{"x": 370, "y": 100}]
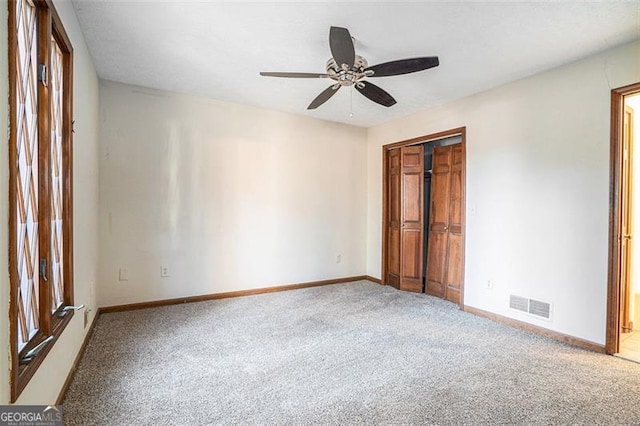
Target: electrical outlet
[
  {"x": 164, "y": 271},
  {"x": 338, "y": 258},
  {"x": 123, "y": 274},
  {"x": 489, "y": 284}
]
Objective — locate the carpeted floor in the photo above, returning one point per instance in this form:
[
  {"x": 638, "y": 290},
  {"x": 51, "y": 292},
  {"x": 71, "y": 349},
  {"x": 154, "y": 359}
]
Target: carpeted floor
[{"x": 340, "y": 354}]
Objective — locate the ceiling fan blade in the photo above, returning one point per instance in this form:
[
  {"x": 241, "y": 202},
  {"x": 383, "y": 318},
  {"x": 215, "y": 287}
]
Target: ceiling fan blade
[
  {"x": 403, "y": 66},
  {"x": 294, "y": 74},
  {"x": 324, "y": 96},
  {"x": 375, "y": 93},
  {"x": 341, "y": 46}
]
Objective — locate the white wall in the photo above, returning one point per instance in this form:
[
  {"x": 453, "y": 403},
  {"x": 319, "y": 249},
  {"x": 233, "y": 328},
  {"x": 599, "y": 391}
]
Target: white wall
[
  {"x": 45, "y": 386},
  {"x": 228, "y": 197},
  {"x": 538, "y": 176}
]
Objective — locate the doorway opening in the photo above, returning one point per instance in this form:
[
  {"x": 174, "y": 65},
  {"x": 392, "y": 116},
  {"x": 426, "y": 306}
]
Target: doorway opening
[
  {"x": 423, "y": 214},
  {"x": 623, "y": 310}
]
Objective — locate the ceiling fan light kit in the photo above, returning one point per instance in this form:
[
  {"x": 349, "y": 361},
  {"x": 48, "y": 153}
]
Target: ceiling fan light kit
[{"x": 348, "y": 69}]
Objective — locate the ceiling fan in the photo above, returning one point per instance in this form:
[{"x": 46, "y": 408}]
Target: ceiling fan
[{"x": 348, "y": 69}]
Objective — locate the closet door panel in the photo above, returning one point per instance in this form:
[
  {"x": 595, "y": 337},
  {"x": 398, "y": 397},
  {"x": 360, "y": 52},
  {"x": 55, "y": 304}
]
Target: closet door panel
[
  {"x": 436, "y": 264},
  {"x": 454, "y": 241},
  {"x": 412, "y": 187},
  {"x": 394, "y": 198},
  {"x": 454, "y": 271},
  {"x": 411, "y": 248},
  {"x": 412, "y": 205},
  {"x": 438, "y": 221}
]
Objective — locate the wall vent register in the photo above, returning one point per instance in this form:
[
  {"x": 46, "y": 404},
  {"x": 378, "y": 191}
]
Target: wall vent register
[{"x": 534, "y": 307}]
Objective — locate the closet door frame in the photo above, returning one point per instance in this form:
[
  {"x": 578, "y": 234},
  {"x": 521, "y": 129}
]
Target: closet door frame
[{"x": 460, "y": 131}]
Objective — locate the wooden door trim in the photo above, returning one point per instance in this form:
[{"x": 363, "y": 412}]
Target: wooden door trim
[
  {"x": 459, "y": 131},
  {"x": 613, "y": 279},
  {"x": 427, "y": 138}
]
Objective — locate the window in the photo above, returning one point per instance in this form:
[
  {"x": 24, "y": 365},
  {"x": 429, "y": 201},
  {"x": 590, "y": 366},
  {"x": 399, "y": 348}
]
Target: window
[{"x": 40, "y": 182}]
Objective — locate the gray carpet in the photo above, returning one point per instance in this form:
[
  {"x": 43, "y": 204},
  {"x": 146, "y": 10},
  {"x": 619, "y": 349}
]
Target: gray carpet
[{"x": 341, "y": 354}]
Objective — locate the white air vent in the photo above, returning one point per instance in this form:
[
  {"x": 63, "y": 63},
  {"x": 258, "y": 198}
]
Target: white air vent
[
  {"x": 541, "y": 309},
  {"x": 530, "y": 306},
  {"x": 519, "y": 303}
]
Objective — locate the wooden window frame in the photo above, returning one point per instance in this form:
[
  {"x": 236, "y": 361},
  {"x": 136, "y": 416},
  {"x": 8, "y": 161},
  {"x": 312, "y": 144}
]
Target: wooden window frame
[{"x": 49, "y": 26}]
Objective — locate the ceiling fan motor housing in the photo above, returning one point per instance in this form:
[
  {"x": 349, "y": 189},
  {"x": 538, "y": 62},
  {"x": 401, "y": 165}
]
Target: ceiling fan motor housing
[{"x": 346, "y": 76}]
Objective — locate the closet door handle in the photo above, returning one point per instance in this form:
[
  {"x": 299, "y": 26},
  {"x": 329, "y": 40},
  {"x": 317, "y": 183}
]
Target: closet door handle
[{"x": 446, "y": 227}]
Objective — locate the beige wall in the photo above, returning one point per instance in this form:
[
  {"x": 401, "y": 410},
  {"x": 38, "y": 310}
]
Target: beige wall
[
  {"x": 537, "y": 179},
  {"x": 48, "y": 380},
  {"x": 231, "y": 197},
  {"x": 228, "y": 197}
]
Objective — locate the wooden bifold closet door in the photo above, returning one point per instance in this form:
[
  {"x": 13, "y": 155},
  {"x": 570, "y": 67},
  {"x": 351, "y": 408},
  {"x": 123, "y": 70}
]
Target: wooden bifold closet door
[
  {"x": 405, "y": 186},
  {"x": 411, "y": 218},
  {"x": 405, "y": 217},
  {"x": 394, "y": 205},
  {"x": 444, "y": 253},
  {"x": 423, "y": 226}
]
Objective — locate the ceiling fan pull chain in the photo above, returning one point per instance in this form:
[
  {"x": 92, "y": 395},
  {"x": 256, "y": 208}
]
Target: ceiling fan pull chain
[{"x": 351, "y": 103}]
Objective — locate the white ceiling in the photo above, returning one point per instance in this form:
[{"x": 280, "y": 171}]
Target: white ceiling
[{"x": 216, "y": 49}]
